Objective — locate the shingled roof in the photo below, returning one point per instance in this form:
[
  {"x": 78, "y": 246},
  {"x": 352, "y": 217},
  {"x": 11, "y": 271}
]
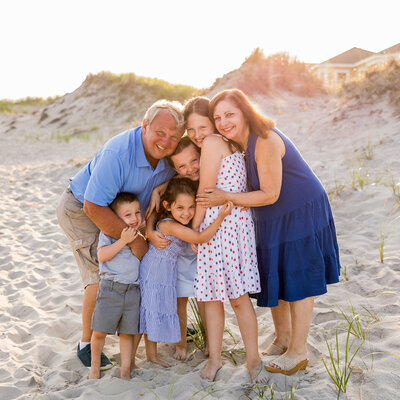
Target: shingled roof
[
  {"x": 350, "y": 56},
  {"x": 393, "y": 49}
]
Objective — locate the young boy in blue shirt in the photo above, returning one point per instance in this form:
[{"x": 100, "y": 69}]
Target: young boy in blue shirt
[{"x": 118, "y": 298}]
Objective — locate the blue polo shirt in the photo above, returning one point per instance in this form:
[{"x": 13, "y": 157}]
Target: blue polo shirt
[{"x": 120, "y": 166}]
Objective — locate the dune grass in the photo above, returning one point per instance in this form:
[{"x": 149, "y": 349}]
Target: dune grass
[
  {"x": 368, "y": 151},
  {"x": 130, "y": 83},
  {"x": 10, "y": 106},
  {"x": 381, "y": 243},
  {"x": 384, "y": 229},
  {"x": 393, "y": 184},
  {"x": 337, "y": 189},
  {"x": 265, "y": 75},
  {"x": 230, "y": 353},
  {"x": 199, "y": 338},
  {"x": 338, "y": 364},
  {"x": 343, "y": 272},
  {"x": 376, "y": 84},
  {"x": 359, "y": 175},
  {"x": 353, "y": 321},
  {"x": 267, "y": 392}
]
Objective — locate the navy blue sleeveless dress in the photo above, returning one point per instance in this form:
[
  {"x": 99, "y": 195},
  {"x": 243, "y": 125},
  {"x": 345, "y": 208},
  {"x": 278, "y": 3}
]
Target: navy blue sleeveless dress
[{"x": 296, "y": 241}]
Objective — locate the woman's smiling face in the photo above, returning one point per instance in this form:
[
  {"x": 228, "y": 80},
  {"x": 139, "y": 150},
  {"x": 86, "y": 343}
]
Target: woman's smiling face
[
  {"x": 229, "y": 120},
  {"x": 198, "y": 127}
]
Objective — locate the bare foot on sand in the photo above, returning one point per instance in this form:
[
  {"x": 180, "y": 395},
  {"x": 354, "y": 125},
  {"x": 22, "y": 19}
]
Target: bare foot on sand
[
  {"x": 134, "y": 366},
  {"x": 125, "y": 374},
  {"x": 157, "y": 360},
  {"x": 258, "y": 373},
  {"x": 180, "y": 353},
  {"x": 210, "y": 370},
  {"x": 94, "y": 373}
]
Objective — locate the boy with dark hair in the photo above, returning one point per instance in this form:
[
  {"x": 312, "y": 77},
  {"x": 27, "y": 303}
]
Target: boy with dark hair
[{"x": 118, "y": 298}]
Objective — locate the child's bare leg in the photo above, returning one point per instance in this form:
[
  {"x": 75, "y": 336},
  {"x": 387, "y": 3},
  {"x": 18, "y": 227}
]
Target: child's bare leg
[
  {"x": 180, "y": 348},
  {"x": 202, "y": 311},
  {"x": 136, "y": 341},
  {"x": 125, "y": 348},
  {"x": 96, "y": 345},
  {"x": 151, "y": 353},
  {"x": 215, "y": 317},
  {"x": 247, "y": 322}
]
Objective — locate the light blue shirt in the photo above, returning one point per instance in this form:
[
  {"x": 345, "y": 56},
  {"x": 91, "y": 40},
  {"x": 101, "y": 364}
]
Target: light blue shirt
[
  {"x": 120, "y": 166},
  {"x": 123, "y": 267}
]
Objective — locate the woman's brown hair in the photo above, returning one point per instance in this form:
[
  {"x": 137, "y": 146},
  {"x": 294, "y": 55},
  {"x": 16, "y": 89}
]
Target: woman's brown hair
[{"x": 257, "y": 122}]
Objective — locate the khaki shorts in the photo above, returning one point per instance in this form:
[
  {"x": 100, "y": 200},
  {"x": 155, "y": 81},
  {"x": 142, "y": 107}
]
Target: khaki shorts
[{"x": 82, "y": 234}]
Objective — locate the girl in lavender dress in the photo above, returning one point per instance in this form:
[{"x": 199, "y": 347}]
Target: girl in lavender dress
[{"x": 158, "y": 269}]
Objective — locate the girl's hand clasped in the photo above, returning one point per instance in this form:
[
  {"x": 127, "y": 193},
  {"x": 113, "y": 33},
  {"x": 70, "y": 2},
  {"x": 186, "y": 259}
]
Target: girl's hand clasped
[{"x": 226, "y": 209}]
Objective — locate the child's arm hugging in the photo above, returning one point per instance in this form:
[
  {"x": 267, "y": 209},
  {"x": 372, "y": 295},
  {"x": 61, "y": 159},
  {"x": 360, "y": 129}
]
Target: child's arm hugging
[
  {"x": 189, "y": 235},
  {"x": 106, "y": 253}
]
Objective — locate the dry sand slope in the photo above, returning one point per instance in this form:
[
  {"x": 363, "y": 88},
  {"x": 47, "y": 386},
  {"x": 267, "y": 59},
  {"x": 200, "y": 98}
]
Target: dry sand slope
[{"x": 40, "y": 293}]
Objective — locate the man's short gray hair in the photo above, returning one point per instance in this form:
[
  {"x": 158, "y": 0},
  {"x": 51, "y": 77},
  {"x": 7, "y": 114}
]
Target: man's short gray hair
[{"x": 173, "y": 107}]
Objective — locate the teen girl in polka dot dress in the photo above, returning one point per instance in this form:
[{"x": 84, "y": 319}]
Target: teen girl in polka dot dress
[{"x": 226, "y": 264}]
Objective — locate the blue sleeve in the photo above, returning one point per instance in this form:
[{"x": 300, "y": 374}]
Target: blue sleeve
[
  {"x": 106, "y": 179},
  {"x": 104, "y": 240}
]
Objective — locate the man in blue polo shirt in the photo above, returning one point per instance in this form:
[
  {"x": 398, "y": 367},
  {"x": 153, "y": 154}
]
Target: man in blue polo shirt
[{"x": 132, "y": 161}]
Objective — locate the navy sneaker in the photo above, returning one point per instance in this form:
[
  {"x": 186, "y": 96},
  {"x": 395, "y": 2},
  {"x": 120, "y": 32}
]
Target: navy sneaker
[
  {"x": 85, "y": 355},
  {"x": 190, "y": 331},
  {"x": 105, "y": 362}
]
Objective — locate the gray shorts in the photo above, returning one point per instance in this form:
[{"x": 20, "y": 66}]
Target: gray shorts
[
  {"x": 82, "y": 234},
  {"x": 117, "y": 308}
]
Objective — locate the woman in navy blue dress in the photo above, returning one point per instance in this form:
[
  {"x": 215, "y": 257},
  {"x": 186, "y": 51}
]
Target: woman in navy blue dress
[{"x": 295, "y": 233}]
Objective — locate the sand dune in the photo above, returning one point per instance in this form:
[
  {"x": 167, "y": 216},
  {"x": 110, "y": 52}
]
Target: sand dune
[{"x": 40, "y": 296}]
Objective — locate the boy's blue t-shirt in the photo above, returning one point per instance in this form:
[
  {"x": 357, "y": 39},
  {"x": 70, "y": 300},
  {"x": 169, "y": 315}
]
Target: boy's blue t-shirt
[
  {"x": 120, "y": 166},
  {"x": 123, "y": 267}
]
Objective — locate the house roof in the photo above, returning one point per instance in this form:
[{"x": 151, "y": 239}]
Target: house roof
[
  {"x": 350, "y": 56},
  {"x": 393, "y": 49}
]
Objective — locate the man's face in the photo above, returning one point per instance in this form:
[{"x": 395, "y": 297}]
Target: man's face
[{"x": 161, "y": 137}]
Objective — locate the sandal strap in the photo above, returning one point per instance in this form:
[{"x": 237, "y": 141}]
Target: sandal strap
[
  {"x": 274, "y": 350},
  {"x": 285, "y": 363}
]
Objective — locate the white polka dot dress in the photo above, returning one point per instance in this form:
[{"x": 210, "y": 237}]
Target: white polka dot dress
[{"x": 227, "y": 264}]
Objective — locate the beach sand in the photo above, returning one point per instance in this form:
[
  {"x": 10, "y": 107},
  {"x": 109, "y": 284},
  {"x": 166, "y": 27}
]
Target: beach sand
[{"x": 353, "y": 148}]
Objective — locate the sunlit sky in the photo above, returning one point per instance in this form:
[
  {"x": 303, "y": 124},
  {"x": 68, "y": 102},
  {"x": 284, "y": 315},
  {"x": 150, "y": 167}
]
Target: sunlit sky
[{"x": 48, "y": 47}]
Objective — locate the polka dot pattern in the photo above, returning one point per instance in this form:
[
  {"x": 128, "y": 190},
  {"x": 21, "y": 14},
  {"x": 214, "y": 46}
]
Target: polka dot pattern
[{"x": 227, "y": 264}]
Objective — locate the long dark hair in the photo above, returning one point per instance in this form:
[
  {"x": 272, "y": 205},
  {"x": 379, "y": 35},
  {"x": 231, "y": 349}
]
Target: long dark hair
[
  {"x": 196, "y": 105},
  {"x": 257, "y": 122},
  {"x": 176, "y": 186}
]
